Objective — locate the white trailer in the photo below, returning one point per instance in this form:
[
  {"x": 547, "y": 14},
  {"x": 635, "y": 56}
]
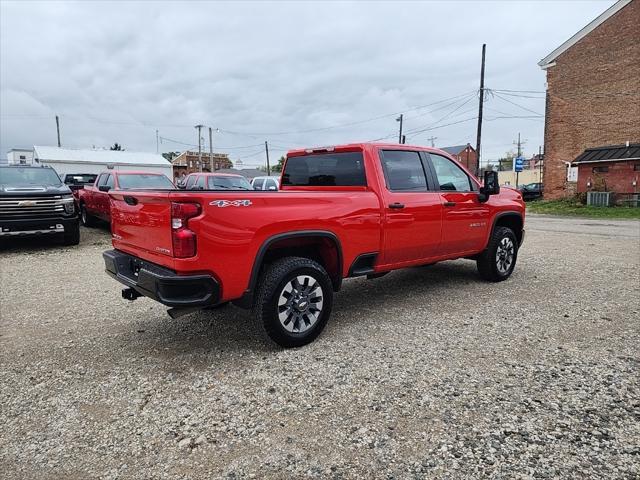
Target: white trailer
[{"x": 68, "y": 160}]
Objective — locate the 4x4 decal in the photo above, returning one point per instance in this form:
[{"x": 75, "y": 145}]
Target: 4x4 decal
[{"x": 230, "y": 203}]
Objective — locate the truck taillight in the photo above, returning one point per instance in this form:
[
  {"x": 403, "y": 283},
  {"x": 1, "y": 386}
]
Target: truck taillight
[{"x": 184, "y": 240}]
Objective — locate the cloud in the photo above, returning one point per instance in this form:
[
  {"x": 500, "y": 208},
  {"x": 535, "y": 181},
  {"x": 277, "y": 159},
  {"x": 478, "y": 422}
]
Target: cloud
[{"x": 116, "y": 72}]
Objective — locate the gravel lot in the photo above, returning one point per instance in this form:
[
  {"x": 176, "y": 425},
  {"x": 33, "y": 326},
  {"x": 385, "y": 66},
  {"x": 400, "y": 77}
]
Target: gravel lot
[{"x": 424, "y": 373}]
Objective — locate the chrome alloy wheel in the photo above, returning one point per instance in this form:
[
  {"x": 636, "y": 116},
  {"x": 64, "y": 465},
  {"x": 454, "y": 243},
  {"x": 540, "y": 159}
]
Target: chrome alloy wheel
[
  {"x": 505, "y": 255},
  {"x": 300, "y": 304},
  {"x": 83, "y": 214}
]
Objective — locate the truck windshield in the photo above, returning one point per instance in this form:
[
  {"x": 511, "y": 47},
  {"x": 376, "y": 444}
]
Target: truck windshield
[
  {"x": 143, "y": 181},
  {"x": 229, "y": 183},
  {"x": 325, "y": 169},
  {"x": 29, "y": 176},
  {"x": 80, "y": 178}
]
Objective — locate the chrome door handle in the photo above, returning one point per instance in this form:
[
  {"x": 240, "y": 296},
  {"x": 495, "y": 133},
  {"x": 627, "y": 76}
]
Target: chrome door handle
[{"x": 396, "y": 205}]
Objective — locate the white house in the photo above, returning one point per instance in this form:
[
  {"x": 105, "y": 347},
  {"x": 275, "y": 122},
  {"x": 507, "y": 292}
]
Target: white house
[
  {"x": 20, "y": 156},
  {"x": 68, "y": 160}
]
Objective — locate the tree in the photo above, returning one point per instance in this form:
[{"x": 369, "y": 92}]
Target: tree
[
  {"x": 117, "y": 146},
  {"x": 506, "y": 163},
  {"x": 280, "y": 164},
  {"x": 170, "y": 155}
]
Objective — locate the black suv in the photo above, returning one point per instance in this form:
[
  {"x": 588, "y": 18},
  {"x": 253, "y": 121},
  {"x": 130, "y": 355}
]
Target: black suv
[{"x": 34, "y": 201}]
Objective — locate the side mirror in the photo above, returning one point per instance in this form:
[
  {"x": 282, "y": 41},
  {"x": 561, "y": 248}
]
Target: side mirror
[
  {"x": 255, "y": 187},
  {"x": 104, "y": 188},
  {"x": 272, "y": 188},
  {"x": 491, "y": 185}
]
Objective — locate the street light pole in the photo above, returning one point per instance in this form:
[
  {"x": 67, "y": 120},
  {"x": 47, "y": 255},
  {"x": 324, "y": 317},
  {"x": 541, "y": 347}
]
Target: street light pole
[{"x": 399, "y": 119}]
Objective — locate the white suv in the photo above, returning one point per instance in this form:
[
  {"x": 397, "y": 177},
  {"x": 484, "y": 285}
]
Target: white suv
[{"x": 266, "y": 183}]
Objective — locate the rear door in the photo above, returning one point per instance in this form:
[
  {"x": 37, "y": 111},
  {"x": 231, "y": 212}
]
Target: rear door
[
  {"x": 413, "y": 213},
  {"x": 103, "y": 197},
  {"x": 465, "y": 219}
]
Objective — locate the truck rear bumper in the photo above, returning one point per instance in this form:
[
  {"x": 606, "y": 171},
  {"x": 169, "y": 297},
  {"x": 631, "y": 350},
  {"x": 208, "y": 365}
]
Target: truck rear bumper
[{"x": 160, "y": 283}]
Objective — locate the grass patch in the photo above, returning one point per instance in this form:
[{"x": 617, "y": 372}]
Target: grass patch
[{"x": 574, "y": 208}]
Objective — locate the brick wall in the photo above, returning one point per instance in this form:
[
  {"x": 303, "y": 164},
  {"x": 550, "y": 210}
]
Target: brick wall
[
  {"x": 618, "y": 179},
  {"x": 593, "y": 95}
]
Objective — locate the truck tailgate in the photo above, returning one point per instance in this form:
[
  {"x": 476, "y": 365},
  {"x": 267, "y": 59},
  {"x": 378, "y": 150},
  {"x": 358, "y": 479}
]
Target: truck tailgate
[{"x": 141, "y": 224}]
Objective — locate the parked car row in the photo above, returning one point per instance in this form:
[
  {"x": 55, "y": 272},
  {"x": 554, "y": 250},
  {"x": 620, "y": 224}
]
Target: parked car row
[{"x": 35, "y": 201}]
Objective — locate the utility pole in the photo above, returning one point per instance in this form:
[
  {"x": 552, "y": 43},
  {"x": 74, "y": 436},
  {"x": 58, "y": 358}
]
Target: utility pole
[
  {"x": 266, "y": 149},
  {"x": 519, "y": 144},
  {"x": 212, "y": 166},
  {"x": 58, "y": 130},
  {"x": 157, "y": 142},
  {"x": 432, "y": 140},
  {"x": 199, "y": 127},
  {"x": 404, "y": 139},
  {"x": 399, "y": 119},
  {"x": 479, "y": 135}
]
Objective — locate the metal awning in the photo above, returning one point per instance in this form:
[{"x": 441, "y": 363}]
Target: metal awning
[{"x": 611, "y": 153}]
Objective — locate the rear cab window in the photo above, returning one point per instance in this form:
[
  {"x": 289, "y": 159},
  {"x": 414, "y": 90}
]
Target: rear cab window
[
  {"x": 332, "y": 169},
  {"x": 144, "y": 181}
]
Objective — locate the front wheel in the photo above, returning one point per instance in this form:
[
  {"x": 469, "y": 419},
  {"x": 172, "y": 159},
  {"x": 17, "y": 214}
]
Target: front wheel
[
  {"x": 293, "y": 302},
  {"x": 498, "y": 260}
]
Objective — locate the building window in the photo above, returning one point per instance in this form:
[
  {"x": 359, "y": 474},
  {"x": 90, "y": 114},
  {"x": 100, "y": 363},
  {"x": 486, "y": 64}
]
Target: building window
[
  {"x": 23, "y": 157},
  {"x": 636, "y": 167},
  {"x": 600, "y": 169}
]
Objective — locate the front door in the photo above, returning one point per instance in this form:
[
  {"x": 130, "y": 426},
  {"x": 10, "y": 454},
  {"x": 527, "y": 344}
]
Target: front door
[
  {"x": 465, "y": 220},
  {"x": 413, "y": 214}
]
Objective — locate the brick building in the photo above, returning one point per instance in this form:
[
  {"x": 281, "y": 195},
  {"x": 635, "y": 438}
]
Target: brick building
[
  {"x": 613, "y": 169},
  {"x": 465, "y": 154},
  {"x": 593, "y": 92},
  {"x": 187, "y": 162}
]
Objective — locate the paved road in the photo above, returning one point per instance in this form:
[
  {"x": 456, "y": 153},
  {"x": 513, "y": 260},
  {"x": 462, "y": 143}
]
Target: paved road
[
  {"x": 423, "y": 373},
  {"x": 585, "y": 226}
]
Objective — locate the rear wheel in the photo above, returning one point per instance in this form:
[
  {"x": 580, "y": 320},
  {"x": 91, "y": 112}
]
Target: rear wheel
[
  {"x": 87, "y": 219},
  {"x": 498, "y": 260},
  {"x": 293, "y": 302},
  {"x": 72, "y": 235}
]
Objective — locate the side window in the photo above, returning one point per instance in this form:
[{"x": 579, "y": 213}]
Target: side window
[
  {"x": 403, "y": 170},
  {"x": 258, "y": 183},
  {"x": 450, "y": 176},
  {"x": 102, "y": 180},
  {"x": 190, "y": 181},
  {"x": 270, "y": 185},
  {"x": 201, "y": 183},
  {"x": 110, "y": 181}
]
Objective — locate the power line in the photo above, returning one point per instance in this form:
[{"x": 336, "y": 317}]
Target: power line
[{"x": 516, "y": 104}]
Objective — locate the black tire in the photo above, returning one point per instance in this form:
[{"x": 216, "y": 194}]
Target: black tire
[
  {"x": 497, "y": 261},
  {"x": 306, "y": 308},
  {"x": 72, "y": 235},
  {"x": 86, "y": 218}
]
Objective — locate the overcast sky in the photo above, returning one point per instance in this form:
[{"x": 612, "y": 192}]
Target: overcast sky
[{"x": 292, "y": 73}]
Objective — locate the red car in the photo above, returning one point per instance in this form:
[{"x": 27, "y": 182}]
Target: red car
[
  {"x": 93, "y": 200},
  {"x": 346, "y": 211},
  {"x": 216, "y": 181}
]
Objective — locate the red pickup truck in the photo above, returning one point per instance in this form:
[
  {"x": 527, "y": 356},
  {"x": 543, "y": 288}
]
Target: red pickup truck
[
  {"x": 93, "y": 200},
  {"x": 344, "y": 211}
]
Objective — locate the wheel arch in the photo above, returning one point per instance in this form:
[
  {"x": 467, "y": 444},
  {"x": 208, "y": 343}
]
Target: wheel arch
[
  {"x": 509, "y": 219},
  {"x": 320, "y": 245}
]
